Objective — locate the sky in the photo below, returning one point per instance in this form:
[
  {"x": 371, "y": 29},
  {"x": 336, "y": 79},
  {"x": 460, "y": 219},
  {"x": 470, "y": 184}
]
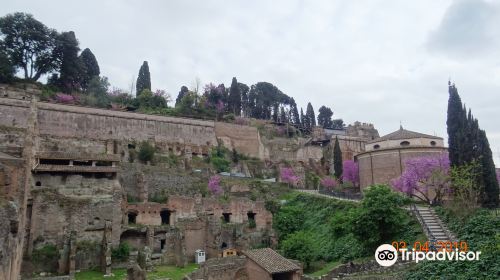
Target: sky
[{"x": 386, "y": 62}]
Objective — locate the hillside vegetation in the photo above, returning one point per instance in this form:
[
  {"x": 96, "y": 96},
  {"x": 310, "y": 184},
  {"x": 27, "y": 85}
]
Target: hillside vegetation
[{"x": 316, "y": 230}]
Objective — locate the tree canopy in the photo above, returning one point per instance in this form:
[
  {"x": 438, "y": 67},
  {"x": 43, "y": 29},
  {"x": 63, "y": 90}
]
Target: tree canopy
[{"x": 29, "y": 44}]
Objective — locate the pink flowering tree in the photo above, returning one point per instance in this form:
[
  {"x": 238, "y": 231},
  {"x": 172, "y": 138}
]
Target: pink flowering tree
[
  {"x": 423, "y": 176},
  {"x": 214, "y": 185},
  {"x": 329, "y": 183},
  {"x": 288, "y": 176},
  {"x": 64, "y": 98},
  {"x": 350, "y": 172}
]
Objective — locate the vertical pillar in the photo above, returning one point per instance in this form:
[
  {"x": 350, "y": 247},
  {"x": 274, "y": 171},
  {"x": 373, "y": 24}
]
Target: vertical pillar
[
  {"x": 142, "y": 186},
  {"x": 72, "y": 255},
  {"x": 106, "y": 249}
]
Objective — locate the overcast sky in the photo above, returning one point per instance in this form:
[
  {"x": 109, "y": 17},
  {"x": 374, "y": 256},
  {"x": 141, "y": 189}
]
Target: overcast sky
[{"x": 382, "y": 62}]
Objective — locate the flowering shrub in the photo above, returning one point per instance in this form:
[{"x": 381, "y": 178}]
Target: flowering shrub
[
  {"x": 64, "y": 98},
  {"x": 214, "y": 185},
  {"x": 328, "y": 183},
  {"x": 241, "y": 121},
  {"x": 350, "y": 172},
  {"x": 288, "y": 176}
]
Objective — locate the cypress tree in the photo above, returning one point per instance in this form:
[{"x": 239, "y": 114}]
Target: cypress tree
[
  {"x": 489, "y": 178},
  {"x": 295, "y": 118},
  {"x": 455, "y": 126},
  {"x": 90, "y": 67},
  {"x": 71, "y": 68},
  {"x": 467, "y": 143},
  {"x": 303, "y": 119},
  {"x": 311, "y": 118},
  {"x": 144, "y": 79},
  {"x": 337, "y": 159},
  {"x": 234, "y": 100},
  {"x": 182, "y": 93}
]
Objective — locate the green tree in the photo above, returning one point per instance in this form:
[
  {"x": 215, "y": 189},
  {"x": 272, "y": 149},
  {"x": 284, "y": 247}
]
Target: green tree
[
  {"x": 90, "y": 67},
  {"x": 29, "y": 44},
  {"x": 299, "y": 246},
  {"x": 337, "y": 159},
  {"x": 244, "y": 99},
  {"x": 295, "y": 117},
  {"x": 380, "y": 218},
  {"x": 311, "y": 118},
  {"x": 7, "y": 70},
  {"x": 489, "y": 178},
  {"x": 182, "y": 93},
  {"x": 234, "y": 100},
  {"x": 456, "y": 126},
  {"x": 468, "y": 143},
  {"x": 144, "y": 79},
  {"x": 98, "y": 90},
  {"x": 325, "y": 117},
  {"x": 70, "y": 66}
]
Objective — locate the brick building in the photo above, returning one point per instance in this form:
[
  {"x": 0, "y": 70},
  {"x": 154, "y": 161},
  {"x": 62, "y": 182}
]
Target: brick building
[{"x": 384, "y": 157}]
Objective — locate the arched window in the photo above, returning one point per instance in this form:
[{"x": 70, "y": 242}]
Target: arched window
[
  {"x": 405, "y": 143},
  {"x": 433, "y": 143},
  {"x": 376, "y": 146},
  {"x": 38, "y": 184}
]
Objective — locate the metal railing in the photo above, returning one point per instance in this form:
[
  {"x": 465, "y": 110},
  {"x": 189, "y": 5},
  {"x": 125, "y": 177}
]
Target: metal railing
[{"x": 342, "y": 195}]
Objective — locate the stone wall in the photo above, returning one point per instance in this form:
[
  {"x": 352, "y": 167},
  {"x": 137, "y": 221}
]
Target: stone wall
[
  {"x": 229, "y": 268},
  {"x": 245, "y": 139}
]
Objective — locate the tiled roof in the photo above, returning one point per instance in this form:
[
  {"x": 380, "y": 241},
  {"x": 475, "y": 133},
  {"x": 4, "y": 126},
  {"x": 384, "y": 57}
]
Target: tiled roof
[
  {"x": 271, "y": 261},
  {"x": 403, "y": 134}
]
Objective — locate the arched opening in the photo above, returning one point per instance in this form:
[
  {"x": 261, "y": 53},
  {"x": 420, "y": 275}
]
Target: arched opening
[
  {"x": 376, "y": 146},
  {"x": 132, "y": 218},
  {"x": 165, "y": 216},
  {"x": 433, "y": 143},
  {"x": 223, "y": 245},
  {"x": 405, "y": 143},
  {"x": 162, "y": 244},
  {"x": 38, "y": 184}
]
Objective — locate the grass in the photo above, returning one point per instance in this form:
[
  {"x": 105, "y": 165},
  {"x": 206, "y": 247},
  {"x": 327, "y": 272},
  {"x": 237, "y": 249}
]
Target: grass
[
  {"x": 160, "y": 272},
  {"x": 175, "y": 273},
  {"x": 327, "y": 267}
]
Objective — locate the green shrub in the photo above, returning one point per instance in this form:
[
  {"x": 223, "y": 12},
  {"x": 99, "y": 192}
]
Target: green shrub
[
  {"x": 251, "y": 223},
  {"x": 121, "y": 253},
  {"x": 220, "y": 164},
  {"x": 45, "y": 254},
  {"x": 146, "y": 152}
]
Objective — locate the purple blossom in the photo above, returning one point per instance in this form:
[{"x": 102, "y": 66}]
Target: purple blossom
[
  {"x": 288, "y": 176},
  {"x": 64, "y": 98},
  {"x": 328, "y": 183},
  {"x": 422, "y": 173},
  {"x": 350, "y": 172},
  {"x": 214, "y": 185},
  {"x": 241, "y": 121},
  {"x": 160, "y": 93},
  {"x": 219, "y": 107}
]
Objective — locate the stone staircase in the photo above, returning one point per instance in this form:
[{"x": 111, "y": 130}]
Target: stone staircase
[{"x": 433, "y": 227}]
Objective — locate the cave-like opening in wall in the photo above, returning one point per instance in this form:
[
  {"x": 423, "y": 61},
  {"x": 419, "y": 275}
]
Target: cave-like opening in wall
[
  {"x": 226, "y": 217},
  {"x": 132, "y": 218},
  {"x": 165, "y": 216},
  {"x": 251, "y": 216}
]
